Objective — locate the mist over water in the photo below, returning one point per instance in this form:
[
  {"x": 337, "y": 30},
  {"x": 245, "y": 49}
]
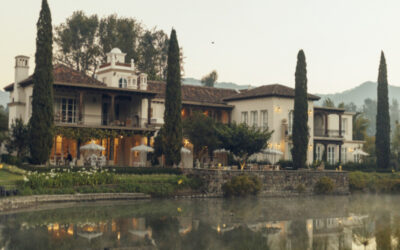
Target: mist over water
[{"x": 320, "y": 222}]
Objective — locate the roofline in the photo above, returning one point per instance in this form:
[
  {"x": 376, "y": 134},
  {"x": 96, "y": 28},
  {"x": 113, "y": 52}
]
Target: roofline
[
  {"x": 341, "y": 110},
  {"x": 233, "y": 98},
  {"x": 92, "y": 86}
]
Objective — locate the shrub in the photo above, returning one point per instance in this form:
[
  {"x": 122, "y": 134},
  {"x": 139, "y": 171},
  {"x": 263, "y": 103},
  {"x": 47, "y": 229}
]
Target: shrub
[
  {"x": 284, "y": 164},
  {"x": 242, "y": 185},
  {"x": 10, "y": 159},
  {"x": 301, "y": 188},
  {"x": 324, "y": 185}
]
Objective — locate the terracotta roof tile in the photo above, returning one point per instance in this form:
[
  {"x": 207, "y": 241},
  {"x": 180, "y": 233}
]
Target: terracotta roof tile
[
  {"x": 266, "y": 91},
  {"x": 192, "y": 93}
]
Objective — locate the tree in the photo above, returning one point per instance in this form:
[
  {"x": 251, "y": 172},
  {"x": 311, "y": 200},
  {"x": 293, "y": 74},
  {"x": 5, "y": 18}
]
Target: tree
[
  {"x": 123, "y": 33},
  {"x": 242, "y": 140},
  {"x": 3, "y": 124},
  {"x": 19, "y": 138},
  {"x": 360, "y": 125},
  {"x": 328, "y": 102},
  {"x": 210, "y": 79},
  {"x": 76, "y": 40},
  {"x": 41, "y": 122},
  {"x": 201, "y": 132},
  {"x": 300, "y": 114},
  {"x": 382, "y": 138},
  {"x": 172, "y": 139}
]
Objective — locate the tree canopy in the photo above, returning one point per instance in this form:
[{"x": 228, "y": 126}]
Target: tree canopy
[
  {"x": 242, "y": 140},
  {"x": 210, "y": 79},
  {"x": 83, "y": 42}
]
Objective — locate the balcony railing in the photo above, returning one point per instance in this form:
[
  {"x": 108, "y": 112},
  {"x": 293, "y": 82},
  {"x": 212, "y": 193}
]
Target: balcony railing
[
  {"x": 102, "y": 120},
  {"x": 331, "y": 133}
]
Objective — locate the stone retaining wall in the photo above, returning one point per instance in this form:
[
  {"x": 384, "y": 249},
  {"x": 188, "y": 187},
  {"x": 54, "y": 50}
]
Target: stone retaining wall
[
  {"x": 19, "y": 202},
  {"x": 274, "y": 183}
]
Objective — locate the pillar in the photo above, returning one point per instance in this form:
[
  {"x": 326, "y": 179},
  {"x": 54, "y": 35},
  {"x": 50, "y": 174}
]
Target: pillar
[
  {"x": 340, "y": 125},
  {"x": 325, "y": 156},
  {"x": 80, "y": 117},
  {"x": 112, "y": 113},
  {"x": 326, "y": 124},
  {"x": 340, "y": 153},
  {"x": 148, "y": 111}
]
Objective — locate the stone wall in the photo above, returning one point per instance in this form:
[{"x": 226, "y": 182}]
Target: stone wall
[{"x": 274, "y": 183}]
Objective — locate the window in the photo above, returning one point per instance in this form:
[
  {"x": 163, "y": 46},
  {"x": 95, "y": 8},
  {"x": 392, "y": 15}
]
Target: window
[
  {"x": 254, "y": 118},
  {"x": 290, "y": 122},
  {"x": 264, "y": 119},
  {"x": 344, "y": 155},
  {"x": 245, "y": 117},
  {"x": 65, "y": 110},
  {"x": 344, "y": 126},
  {"x": 331, "y": 155},
  {"x": 122, "y": 83},
  {"x": 318, "y": 152}
]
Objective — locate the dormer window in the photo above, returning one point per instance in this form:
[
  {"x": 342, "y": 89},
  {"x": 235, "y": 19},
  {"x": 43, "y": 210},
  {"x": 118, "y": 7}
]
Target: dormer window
[{"x": 122, "y": 83}]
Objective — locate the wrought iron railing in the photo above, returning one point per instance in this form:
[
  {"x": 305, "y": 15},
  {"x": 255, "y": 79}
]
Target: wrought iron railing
[
  {"x": 329, "y": 133},
  {"x": 102, "y": 120}
]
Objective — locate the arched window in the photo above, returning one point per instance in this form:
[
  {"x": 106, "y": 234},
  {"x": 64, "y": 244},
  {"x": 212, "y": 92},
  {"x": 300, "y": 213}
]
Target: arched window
[{"x": 122, "y": 83}]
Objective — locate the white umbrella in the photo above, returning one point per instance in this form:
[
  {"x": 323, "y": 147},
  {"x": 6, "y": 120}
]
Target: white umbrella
[
  {"x": 185, "y": 150},
  {"x": 273, "y": 152},
  {"x": 221, "y": 150},
  {"x": 92, "y": 146},
  {"x": 142, "y": 148},
  {"x": 359, "y": 151},
  {"x": 90, "y": 235}
]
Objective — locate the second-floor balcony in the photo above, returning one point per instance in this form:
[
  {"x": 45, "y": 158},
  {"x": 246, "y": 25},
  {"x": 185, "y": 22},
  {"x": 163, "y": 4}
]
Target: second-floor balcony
[
  {"x": 98, "y": 121},
  {"x": 330, "y": 133}
]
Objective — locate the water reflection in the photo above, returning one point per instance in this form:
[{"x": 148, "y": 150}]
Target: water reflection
[{"x": 356, "y": 222}]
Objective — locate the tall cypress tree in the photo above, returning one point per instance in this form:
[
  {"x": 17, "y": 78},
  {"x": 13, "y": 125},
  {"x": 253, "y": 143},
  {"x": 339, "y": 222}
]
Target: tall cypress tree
[
  {"x": 41, "y": 122},
  {"x": 300, "y": 114},
  {"x": 382, "y": 141},
  {"x": 172, "y": 138}
]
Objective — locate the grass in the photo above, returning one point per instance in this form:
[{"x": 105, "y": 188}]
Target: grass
[{"x": 9, "y": 180}]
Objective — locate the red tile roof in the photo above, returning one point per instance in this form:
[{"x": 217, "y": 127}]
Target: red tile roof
[
  {"x": 62, "y": 74},
  {"x": 191, "y": 93},
  {"x": 277, "y": 90}
]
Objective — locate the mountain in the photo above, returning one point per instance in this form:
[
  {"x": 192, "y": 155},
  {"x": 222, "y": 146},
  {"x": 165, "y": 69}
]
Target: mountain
[
  {"x": 223, "y": 85},
  {"x": 4, "y": 98},
  {"x": 358, "y": 94}
]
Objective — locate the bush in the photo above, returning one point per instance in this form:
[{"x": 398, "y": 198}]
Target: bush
[
  {"x": 242, "y": 185},
  {"x": 324, "y": 185},
  {"x": 10, "y": 159}
]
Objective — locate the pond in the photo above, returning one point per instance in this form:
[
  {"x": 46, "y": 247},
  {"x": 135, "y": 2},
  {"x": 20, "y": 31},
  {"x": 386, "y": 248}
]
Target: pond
[{"x": 320, "y": 222}]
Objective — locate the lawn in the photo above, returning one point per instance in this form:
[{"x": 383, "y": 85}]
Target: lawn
[{"x": 8, "y": 179}]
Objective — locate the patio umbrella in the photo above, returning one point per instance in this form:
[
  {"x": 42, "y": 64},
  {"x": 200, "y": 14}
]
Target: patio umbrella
[
  {"x": 273, "y": 152},
  {"x": 185, "y": 150},
  {"x": 221, "y": 150},
  {"x": 142, "y": 148},
  {"x": 359, "y": 151},
  {"x": 90, "y": 235},
  {"x": 92, "y": 146}
]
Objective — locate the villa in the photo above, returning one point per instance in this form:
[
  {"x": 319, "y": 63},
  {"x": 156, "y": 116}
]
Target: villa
[{"x": 121, "y": 99}]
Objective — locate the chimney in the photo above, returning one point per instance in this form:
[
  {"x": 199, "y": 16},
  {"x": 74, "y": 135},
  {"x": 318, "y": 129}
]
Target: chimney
[{"x": 21, "y": 73}]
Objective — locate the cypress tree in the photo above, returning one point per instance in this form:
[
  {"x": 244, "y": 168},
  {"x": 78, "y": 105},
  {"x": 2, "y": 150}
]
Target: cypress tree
[
  {"x": 41, "y": 122},
  {"x": 300, "y": 114},
  {"x": 172, "y": 138},
  {"x": 382, "y": 141}
]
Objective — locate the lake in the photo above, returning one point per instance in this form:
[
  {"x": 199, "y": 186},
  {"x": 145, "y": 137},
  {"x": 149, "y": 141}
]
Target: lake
[{"x": 319, "y": 222}]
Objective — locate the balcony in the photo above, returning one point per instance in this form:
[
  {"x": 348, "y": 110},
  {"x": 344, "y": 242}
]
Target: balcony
[
  {"x": 329, "y": 133},
  {"x": 101, "y": 121}
]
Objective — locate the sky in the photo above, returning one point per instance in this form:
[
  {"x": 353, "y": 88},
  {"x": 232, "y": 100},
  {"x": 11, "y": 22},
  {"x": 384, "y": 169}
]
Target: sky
[{"x": 255, "y": 41}]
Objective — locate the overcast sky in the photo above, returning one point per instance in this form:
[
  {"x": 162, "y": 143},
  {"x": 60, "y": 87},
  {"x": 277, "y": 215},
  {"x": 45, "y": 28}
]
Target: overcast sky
[{"x": 255, "y": 41}]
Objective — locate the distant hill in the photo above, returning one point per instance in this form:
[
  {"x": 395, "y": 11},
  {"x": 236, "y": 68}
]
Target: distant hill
[
  {"x": 358, "y": 94},
  {"x": 223, "y": 85},
  {"x": 4, "y": 98}
]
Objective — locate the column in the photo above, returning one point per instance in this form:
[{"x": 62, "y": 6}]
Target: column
[
  {"x": 149, "y": 111},
  {"x": 340, "y": 153},
  {"x": 112, "y": 113},
  {"x": 340, "y": 125},
  {"x": 326, "y": 124},
  {"x": 80, "y": 117},
  {"x": 325, "y": 157}
]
